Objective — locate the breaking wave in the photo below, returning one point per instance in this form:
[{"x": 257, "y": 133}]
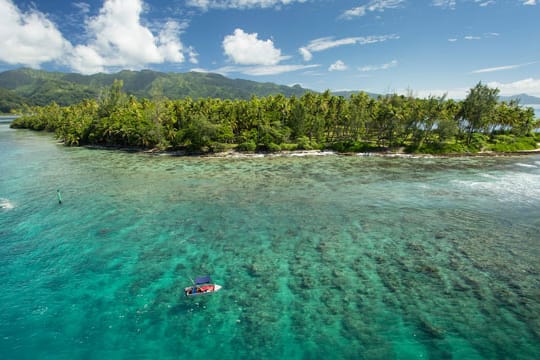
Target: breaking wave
[
  {"x": 5, "y": 204},
  {"x": 510, "y": 187},
  {"x": 527, "y": 165}
]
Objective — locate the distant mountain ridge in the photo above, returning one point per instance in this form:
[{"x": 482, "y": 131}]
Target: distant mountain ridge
[
  {"x": 347, "y": 93},
  {"x": 524, "y": 99},
  {"x": 38, "y": 87}
]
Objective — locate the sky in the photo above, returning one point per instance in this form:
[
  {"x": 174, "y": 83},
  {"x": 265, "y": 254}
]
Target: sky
[{"x": 423, "y": 47}]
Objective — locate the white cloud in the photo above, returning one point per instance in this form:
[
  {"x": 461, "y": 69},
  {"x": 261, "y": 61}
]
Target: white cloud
[
  {"x": 502, "y": 68},
  {"x": 329, "y": 42},
  {"x": 484, "y": 3},
  {"x": 326, "y": 43},
  {"x": 193, "y": 55},
  {"x": 306, "y": 54},
  {"x": 29, "y": 38},
  {"x": 257, "y": 57},
  {"x": 338, "y": 66},
  {"x": 528, "y": 86},
  {"x": 451, "y": 4},
  {"x": 247, "y": 49},
  {"x": 263, "y": 70},
  {"x": 170, "y": 48},
  {"x": 118, "y": 39},
  {"x": 82, "y": 6},
  {"x": 374, "y": 5},
  {"x": 87, "y": 60},
  {"x": 489, "y": 35},
  {"x": 276, "y": 69},
  {"x": 447, "y": 4},
  {"x": 386, "y": 66},
  {"x": 239, "y": 4}
]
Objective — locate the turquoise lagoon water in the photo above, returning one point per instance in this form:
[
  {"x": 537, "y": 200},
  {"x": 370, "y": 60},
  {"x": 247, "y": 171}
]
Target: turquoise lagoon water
[{"x": 319, "y": 257}]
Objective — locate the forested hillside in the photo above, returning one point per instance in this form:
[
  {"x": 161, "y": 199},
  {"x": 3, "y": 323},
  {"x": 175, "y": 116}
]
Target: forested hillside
[{"x": 36, "y": 87}]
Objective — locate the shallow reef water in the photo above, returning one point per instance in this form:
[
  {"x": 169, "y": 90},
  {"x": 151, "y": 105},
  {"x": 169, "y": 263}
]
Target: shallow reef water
[{"x": 329, "y": 256}]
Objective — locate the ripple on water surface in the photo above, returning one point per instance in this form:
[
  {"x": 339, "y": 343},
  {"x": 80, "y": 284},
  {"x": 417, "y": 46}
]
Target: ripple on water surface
[{"x": 329, "y": 256}]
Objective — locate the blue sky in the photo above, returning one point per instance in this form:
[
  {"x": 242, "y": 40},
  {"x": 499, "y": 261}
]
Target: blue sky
[{"x": 426, "y": 47}]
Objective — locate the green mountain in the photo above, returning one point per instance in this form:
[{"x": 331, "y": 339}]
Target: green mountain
[
  {"x": 37, "y": 87},
  {"x": 9, "y": 101}
]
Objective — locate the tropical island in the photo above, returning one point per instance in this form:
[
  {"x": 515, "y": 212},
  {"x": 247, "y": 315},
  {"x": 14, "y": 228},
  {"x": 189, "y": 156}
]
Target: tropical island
[{"x": 273, "y": 123}]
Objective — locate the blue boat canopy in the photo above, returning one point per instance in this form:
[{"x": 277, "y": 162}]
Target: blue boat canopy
[{"x": 202, "y": 280}]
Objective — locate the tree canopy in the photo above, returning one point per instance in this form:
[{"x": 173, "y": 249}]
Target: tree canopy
[{"x": 272, "y": 123}]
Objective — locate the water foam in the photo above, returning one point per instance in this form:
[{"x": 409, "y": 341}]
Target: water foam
[
  {"x": 526, "y": 165},
  {"x": 509, "y": 187},
  {"x": 6, "y": 204}
]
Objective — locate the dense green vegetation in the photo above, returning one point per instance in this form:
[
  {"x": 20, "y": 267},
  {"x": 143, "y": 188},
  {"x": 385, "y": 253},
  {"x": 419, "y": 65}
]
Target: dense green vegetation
[
  {"x": 273, "y": 123},
  {"x": 10, "y": 102},
  {"x": 35, "y": 87}
]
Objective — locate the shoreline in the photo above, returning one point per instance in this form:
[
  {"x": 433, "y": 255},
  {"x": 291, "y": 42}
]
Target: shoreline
[
  {"x": 401, "y": 155},
  {"x": 232, "y": 154}
]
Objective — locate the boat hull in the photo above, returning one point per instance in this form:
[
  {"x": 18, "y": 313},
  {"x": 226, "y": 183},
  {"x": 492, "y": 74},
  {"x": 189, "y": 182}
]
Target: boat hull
[{"x": 202, "y": 290}]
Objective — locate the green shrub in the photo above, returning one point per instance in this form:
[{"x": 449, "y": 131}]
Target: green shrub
[
  {"x": 339, "y": 146},
  {"x": 247, "y": 146},
  {"x": 478, "y": 142},
  {"x": 352, "y": 146},
  {"x": 305, "y": 144},
  {"x": 272, "y": 147},
  {"x": 442, "y": 148},
  {"x": 359, "y": 146},
  {"x": 289, "y": 147},
  {"x": 217, "y": 147},
  {"x": 507, "y": 143}
]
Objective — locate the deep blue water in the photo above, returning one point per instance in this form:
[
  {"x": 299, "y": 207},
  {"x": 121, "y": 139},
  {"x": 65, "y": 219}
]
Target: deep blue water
[{"x": 319, "y": 257}]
